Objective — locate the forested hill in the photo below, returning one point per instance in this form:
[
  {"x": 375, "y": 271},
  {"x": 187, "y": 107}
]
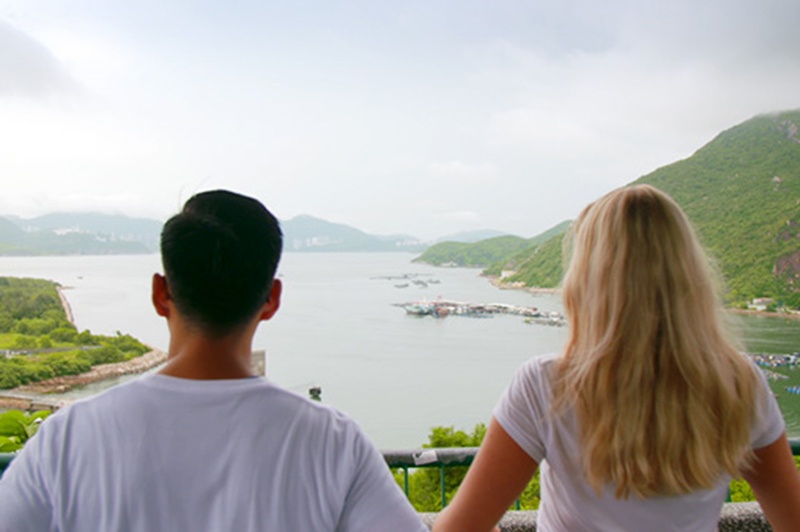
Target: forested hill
[
  {"x": 473, "y": 254},
  {"x": 742, "y": 193},
  {"x": 486, "y": 252}
]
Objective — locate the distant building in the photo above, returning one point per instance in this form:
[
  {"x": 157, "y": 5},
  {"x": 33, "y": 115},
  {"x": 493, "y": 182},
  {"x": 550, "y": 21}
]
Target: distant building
[{"x": 760, "y": 303}]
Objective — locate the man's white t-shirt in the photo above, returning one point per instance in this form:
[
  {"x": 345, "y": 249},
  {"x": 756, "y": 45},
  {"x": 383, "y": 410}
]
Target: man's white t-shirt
[
  {"x": 166, "y": 454},
  {"x": 568, "y": 503}
]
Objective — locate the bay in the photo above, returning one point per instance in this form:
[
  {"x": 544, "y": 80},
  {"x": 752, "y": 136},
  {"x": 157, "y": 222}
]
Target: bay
[{"x": 339, "y": 328}]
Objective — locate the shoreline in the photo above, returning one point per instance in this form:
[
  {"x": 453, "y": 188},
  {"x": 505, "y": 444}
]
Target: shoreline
[
  {"x": 65, "y": 303},
  {"x": 519, "y": 285},
  {"x": 45, "y": 393},
  {"x": 98, "y": 373}
]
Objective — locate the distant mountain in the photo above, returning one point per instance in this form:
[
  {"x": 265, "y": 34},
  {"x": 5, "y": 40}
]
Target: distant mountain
[
  {"x": 476, "y": 254},
  {"x": 94, "y": 233},
  {"x": 492, "y": 252},
  {"x": 114, "y": 226},
  {"x": 471, "y": 236},
  {"x": 306, "y": 233},
  {"x": 10, "y": 236},
  {"x": 742, "y": 193},
  {"x": 78, "y": 234}
]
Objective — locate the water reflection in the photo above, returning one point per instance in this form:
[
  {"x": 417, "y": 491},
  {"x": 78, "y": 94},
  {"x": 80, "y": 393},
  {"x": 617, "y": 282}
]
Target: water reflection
[{"x": 769, "y": 334}]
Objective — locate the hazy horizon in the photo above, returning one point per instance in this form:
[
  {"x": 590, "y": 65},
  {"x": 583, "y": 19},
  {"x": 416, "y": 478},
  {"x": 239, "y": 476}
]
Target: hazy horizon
[{"x": 14, "y": 217}]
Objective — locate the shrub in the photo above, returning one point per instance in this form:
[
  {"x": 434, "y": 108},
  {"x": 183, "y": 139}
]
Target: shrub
[
  {"x": 63, "y": 334},
  {"x": 17, "y": 427},
  {"x": 105, "y": 355}
]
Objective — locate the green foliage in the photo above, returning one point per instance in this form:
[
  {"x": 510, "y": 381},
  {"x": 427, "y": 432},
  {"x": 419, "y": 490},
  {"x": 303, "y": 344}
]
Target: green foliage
[
  {"x": 105, "y": 355},
  {"x": 519, "y": 260},
  {"x": 491, "y": 253},
  {"x": 740, "y": 191},
  {"x": 18, "y": 427},
  {"x": 29, "y": 298},
  {"x": 542, "y": 267},
  {"x": 63, "y": 334},
  {"x": 449, "y": 437},
  {"x": 24, "y": 341},
  {"x": 740, "y": 491},
  {"x": 6, "y": 322},
  {"x": 424, "y": 484},
  {"x": 86, "y": 338},
  {"x": 475, "y": 254},
  {"x": 33, "y": 320},
  {"x": 65, "y": 363},
  {"x": 742, "y": 188},
  {"x": 126, "y": 344}
]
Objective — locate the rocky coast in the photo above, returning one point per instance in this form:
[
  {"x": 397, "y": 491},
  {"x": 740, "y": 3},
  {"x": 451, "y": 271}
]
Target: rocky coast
[
  {"x": 44, "y": 394},
  {"x": 498, "y": 282}
]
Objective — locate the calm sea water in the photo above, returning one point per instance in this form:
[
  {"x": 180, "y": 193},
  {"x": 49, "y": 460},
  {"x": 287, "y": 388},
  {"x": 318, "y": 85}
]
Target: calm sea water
[{"x": 338, "y": 328}]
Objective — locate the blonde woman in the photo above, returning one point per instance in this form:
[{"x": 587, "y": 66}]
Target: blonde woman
[{"x": 650, "y": 409}]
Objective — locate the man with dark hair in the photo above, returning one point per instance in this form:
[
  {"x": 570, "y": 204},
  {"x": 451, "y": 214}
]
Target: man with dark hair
[{"x": 202, "y": 445}]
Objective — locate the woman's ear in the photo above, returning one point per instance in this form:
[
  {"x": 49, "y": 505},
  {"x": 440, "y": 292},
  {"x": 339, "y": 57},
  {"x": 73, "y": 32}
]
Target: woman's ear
[{"x": 273, "y": 303}]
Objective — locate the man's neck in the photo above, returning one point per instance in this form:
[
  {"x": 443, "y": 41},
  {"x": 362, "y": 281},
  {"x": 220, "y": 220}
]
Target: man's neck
[{"x": 195, "y": 355}]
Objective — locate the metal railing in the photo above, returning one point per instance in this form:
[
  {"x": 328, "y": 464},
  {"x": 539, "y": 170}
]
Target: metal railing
[
  {"x": 440, "y": 458},
  {"x": 443, "y": 458},
  {"x": 5, "y": 459}
]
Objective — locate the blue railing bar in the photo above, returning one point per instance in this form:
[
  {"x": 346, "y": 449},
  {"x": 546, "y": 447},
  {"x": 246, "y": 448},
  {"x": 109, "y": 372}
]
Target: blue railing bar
[
  {"x": 5, "y": 459},
  {"x": 443, "y": 485}
]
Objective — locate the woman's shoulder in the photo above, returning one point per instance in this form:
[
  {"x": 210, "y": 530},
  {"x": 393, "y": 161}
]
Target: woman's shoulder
[
  {"x": 542, "y": 365},
  {"x": 537, "y": 374}
]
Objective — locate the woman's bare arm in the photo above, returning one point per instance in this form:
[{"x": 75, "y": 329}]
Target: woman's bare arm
[
  {"x": 776, "y": 482},
  {"x": 498, "y": 475}
]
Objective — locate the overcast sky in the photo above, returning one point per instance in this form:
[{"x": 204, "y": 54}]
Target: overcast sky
[{"x": 418, "y": 117}]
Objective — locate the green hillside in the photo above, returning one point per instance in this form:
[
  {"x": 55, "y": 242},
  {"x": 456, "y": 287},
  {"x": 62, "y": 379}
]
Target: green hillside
[
  {"x": 476, "y": 254},
  {"x": 538, "y": 266},
  {"x": 742, "y": 192},
  {"x": 492, "y": 252},
  {"x": 535, "y": 253},
  {"x": 40, "y": 343}
]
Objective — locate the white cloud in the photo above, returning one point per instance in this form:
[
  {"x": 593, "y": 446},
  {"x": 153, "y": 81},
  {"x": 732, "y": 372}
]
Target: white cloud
[
  {"x": 414, "y": 118},
  {"x": 466, "y": 217},
  {"x": 460, "y": 172},
  {"x": 28, "y": 68}
]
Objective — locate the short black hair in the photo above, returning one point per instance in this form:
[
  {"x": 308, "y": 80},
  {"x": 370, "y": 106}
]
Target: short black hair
[{"x": 220, "y": 255}]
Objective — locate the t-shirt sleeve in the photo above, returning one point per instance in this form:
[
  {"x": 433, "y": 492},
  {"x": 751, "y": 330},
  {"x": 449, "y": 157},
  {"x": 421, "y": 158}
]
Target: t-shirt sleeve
[
  {"x": 24, "y": 500},
  {"x": 769, "y": 422},
  {"x": 374, "y": 501},
  {"x": 523, "y": 407}
]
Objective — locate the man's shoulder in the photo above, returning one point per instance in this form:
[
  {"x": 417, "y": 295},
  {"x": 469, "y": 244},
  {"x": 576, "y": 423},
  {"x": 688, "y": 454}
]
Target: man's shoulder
[{"x": 152, "y": 397}]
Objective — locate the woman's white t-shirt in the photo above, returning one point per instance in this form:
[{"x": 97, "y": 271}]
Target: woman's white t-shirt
[{"x": 567, "y": 501}]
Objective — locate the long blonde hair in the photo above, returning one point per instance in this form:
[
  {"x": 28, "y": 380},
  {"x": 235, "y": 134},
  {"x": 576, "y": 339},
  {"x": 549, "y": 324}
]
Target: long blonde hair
[{"x": 664, "y": 398}]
